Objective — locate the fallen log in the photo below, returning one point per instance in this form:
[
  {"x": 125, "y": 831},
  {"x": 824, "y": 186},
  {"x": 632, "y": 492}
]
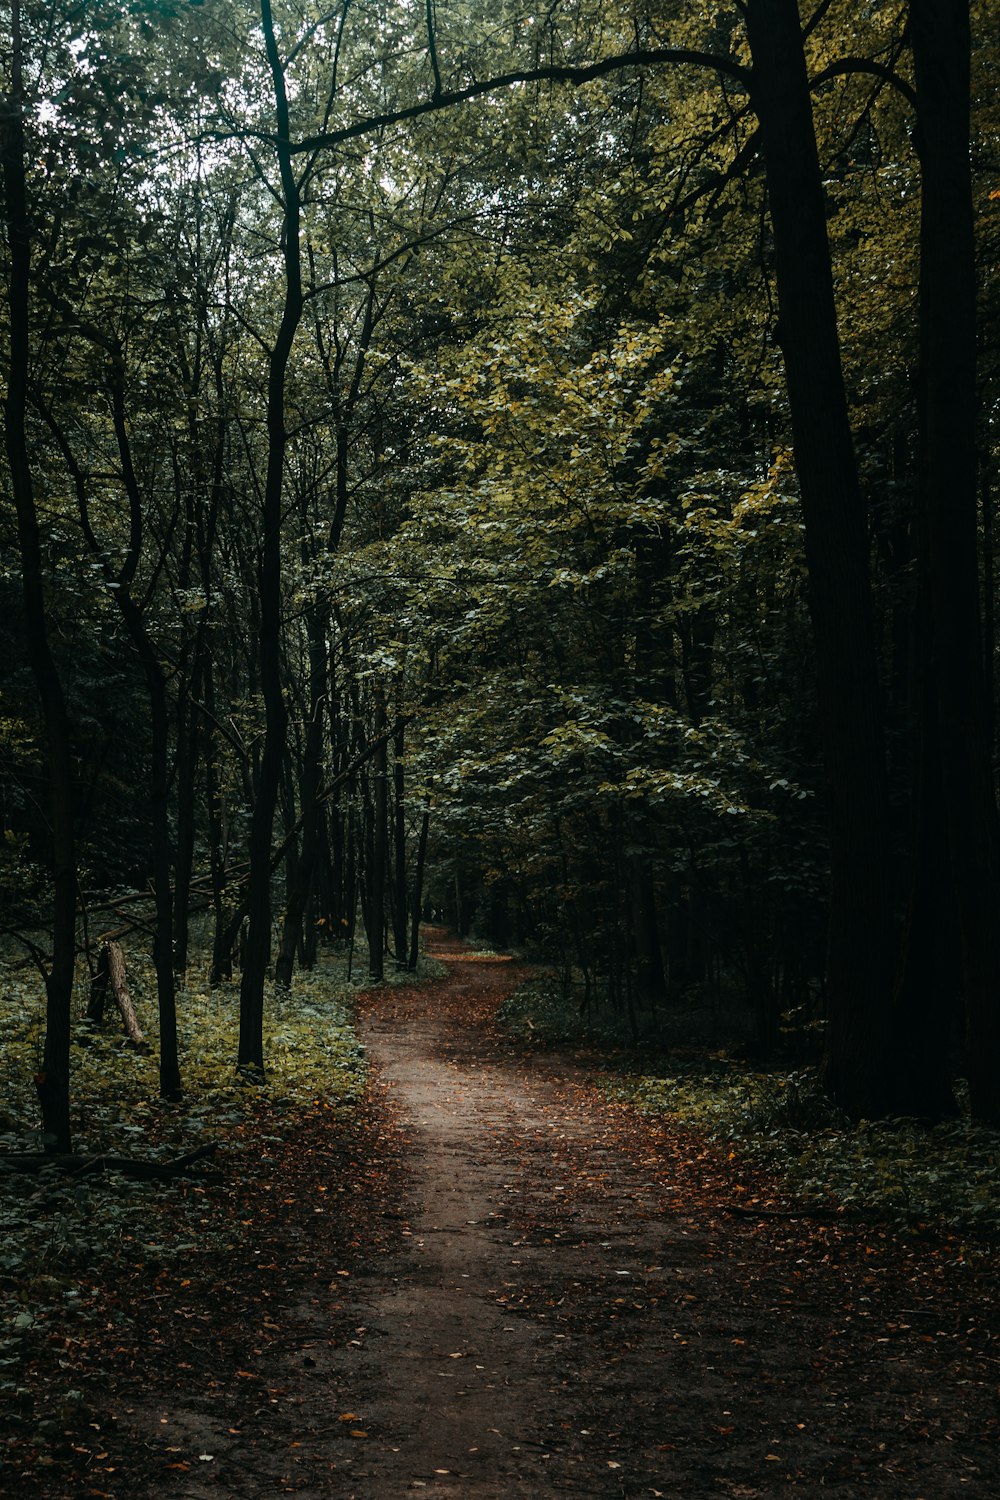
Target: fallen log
[
  {"x": 740, "y": 1212},
  {"x": 111, "y": 973},
  {"x": 74, "y": 1165}
]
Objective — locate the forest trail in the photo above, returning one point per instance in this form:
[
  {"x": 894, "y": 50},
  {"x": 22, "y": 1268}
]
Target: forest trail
[
  {"x": 558, "y": 1303},
  {"x": 473, "y": 1351}
]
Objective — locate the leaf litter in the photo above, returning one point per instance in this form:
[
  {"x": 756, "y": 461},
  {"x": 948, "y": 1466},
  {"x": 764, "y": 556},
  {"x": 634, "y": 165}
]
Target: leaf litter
[{"x": 621, "y": 1331}]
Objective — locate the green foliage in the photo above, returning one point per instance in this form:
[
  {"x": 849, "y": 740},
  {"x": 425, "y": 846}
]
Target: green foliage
[
  {"x": 311, "y": 1049},
  {"x": 897, "y": 1170},
  {"x": 541, "y": 1013}
]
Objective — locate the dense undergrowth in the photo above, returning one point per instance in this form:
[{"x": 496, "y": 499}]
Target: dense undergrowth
[{"x": 899, "y": 1171}]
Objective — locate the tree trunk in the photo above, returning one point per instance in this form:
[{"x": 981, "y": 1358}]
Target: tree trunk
[
  {"x": 860, "y": 951},
  {"x": 159, "y": 728},
  {"x": 644, "y": 923},
  {"x": 112, "y": 968},
  {"x": 399, "y": 850},
  {"x": 187, "y": 763},
  {"x": 926, "y": 1001},
  {"x": 53, "y": 1077},
  {"x": 258, "y": 948},
  {"x": 948, "y": 501},
  {"x": 380, "y": 839},
  {"x": 303, "y": 875},
  {"x": 417, "y": 897},
  {"x": 222, "y": 948}
]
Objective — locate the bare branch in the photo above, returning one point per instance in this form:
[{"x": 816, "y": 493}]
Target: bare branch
[
  {"x": 586, "y": 73},
  {"x": 815, "y": 18},
  {"x": 847, "y": 65},
  {"x": 432, "y": 52}
]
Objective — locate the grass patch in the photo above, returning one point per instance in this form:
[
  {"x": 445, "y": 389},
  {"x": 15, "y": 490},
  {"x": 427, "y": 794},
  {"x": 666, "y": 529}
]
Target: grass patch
[{"x": 309, "y": 1042}]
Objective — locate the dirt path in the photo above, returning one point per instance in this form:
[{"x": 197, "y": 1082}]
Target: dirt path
[
  {"x": 468, "y": 1364},
  {"x": 562, "y": 1319},
  {"x": 560, "y": 1305}
]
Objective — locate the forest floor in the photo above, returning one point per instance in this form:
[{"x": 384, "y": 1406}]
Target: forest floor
[{"x": 500, "y": 1283}]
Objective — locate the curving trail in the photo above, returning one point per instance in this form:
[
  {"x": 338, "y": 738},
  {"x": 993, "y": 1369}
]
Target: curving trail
[
  {"x": 568, "y": 1316},
  {"x": 560, "y": 1305}
]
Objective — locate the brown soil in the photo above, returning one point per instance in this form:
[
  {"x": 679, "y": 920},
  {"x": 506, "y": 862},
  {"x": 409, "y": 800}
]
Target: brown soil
[{"x": 546, "y": 1295}]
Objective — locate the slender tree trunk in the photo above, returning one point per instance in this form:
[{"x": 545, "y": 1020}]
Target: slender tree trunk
[
  {"x": 159, "y": 797},
  {"x": 187, "y": 764},
  {"x": 53, "y": 1077},
  {"x": 644, "y": 922},
  {"x": 948, "y": 501},
  {"x": 417, "y": 898},
  {"x": 258, "y": 949},
  {"x": 303, "y": 877},
  {"x": 860, "y": 954},
  {"x": 380, "y": 839},
  {"x": 399, "y": 913},
  {"x": 222, "y": 948}
]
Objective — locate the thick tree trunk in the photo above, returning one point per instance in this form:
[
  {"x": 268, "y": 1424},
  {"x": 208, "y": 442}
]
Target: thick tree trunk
[
  {"x": 860, "y": 954},
  {"x": 53, "y": 1077},
  {"x": 947, "y": 494}
]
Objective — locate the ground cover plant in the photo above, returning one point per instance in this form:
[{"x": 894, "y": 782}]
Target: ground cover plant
[
  {"x": 778, "y": 1119},
  {"x": 62, "y": 1234}
]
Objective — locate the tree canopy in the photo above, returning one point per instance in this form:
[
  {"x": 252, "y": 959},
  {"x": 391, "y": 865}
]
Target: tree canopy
[{"x": 534, "y": 465}]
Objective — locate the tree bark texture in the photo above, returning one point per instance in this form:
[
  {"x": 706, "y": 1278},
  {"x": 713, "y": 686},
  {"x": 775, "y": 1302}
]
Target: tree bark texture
[
  {"x": 111, "y": 974},
  {"x": 860, "y": 951}
]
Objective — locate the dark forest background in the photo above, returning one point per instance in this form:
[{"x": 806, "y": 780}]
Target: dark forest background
[{"x": 535, "y": 469}]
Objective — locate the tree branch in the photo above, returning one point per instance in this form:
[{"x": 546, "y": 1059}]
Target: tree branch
[
  {"x": 585, "y": 73},
  {"x": 432, "y": 52},
  {"x": 846, "y": 65}
]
